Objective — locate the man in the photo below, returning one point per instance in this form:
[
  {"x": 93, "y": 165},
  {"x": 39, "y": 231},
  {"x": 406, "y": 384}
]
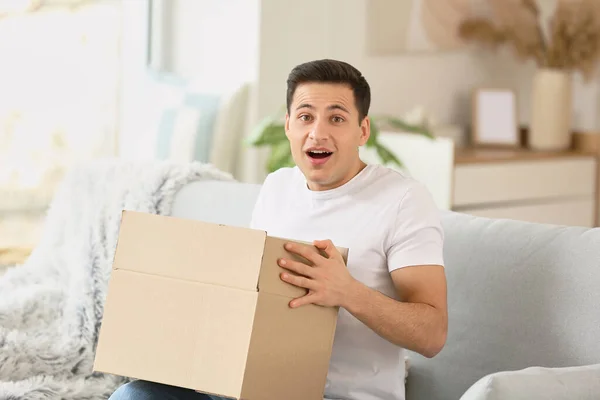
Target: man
[{"x": 392, "y": 293}]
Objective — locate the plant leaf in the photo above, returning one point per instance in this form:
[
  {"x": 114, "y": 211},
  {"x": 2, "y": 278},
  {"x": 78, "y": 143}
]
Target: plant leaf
[
  {"x": 399, "y": 124},
  {"x": 373, "y": 138},
  {"x": 387, "y": 157},
  {"x": 268, "y": 132},
  {"x": 281, "y": 156}
]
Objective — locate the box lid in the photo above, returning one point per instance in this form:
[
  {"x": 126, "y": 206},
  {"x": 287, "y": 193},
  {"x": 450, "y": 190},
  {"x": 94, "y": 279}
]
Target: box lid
[
  {"x": 243, "y": 258},
  {"x": 269, "y": 279},
  {"x": 230, "y": 256}
]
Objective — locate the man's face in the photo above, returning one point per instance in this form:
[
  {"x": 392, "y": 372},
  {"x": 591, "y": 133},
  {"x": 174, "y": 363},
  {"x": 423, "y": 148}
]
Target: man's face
[{"x": 324, "y": 133}]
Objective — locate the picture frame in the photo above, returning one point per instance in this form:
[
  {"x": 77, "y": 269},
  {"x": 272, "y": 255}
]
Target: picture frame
[{"x": 495, "y": 120}]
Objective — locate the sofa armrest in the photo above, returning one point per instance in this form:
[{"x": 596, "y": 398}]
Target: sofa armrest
[{"x": 537, "y": 383}]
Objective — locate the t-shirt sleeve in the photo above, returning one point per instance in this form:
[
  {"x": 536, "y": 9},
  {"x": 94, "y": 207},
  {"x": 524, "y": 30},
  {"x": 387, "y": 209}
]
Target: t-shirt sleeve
[{"x": 417, "y": 237}]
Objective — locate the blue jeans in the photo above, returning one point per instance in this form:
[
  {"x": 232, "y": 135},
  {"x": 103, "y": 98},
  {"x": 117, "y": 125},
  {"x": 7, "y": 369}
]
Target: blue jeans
[{"x": 143, "y": 390}]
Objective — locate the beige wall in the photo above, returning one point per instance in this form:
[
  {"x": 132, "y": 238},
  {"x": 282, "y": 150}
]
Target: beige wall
[{"x": 291, "y": 32}]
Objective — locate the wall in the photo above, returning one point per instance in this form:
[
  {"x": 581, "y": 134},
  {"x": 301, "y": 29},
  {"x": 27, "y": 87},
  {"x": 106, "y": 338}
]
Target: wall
[
  {"x": 294, "y": 32},
  {"x": 229, "y": 41},
  {"x": 438, "y": 81},
  {"x": 215, "y": 42}
]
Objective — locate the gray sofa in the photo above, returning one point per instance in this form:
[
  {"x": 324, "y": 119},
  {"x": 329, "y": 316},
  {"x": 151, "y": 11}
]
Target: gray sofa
[{"x": 520, "y": 295}]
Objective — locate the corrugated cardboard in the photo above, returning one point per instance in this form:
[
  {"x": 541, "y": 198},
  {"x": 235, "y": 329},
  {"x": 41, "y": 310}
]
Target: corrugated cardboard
[{"x": 202, "y": 306}]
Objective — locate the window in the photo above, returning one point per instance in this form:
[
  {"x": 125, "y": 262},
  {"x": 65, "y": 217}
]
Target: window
[
  {"x": 59, "y": 81},
  {"x": 60, "y": 78}
]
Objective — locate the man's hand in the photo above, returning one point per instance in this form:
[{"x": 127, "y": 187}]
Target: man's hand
[
  {"x": 328, "y": 280},
  {"x": 417, "y": 321}
]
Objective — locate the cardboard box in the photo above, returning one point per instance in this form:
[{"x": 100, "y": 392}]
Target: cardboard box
[{"x": 202, "y": 306}]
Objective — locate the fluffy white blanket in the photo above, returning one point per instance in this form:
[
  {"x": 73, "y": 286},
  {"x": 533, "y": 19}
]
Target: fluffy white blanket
[{"x": 51, "y": 306}]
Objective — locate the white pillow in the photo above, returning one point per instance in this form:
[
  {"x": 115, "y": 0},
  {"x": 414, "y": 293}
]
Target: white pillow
[
  {"x": 537, "y": 383},
  {"x": 183, "y": 135}
]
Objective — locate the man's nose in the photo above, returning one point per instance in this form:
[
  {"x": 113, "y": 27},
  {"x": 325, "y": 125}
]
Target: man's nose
[{"x": 318, "y": 131}]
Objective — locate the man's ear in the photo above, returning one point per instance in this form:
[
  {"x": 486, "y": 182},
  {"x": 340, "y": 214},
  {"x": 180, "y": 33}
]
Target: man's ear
[
  {"x": 287, "y": 123},
  {"x": 365, "y": 129}
]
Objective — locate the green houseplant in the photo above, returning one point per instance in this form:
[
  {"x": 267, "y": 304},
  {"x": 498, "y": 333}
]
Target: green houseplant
[{"x": 270, "y": 132}]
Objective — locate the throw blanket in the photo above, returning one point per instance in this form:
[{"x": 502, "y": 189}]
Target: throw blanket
[{"x": 51, "y": 306}]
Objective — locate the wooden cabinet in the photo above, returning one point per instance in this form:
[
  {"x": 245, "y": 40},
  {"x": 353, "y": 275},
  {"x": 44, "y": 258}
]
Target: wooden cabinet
[
  {"x": 547, "y": 187},
  {"x": 556, "y": 188}
]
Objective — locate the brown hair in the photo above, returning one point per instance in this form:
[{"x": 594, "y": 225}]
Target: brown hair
[{"x": 331, "y": 71}]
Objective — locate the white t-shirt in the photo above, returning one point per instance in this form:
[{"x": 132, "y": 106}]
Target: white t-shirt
[{"x": 387, "y": 221}]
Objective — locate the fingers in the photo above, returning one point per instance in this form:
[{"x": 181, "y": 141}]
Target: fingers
[
  {"x": 300, "y": 281},
  {"x": 328, "y": 247},
  {"x": 308, "y": 252},
  {"x": 297, "y": 267},
  {"x": 304, "y": 300}
]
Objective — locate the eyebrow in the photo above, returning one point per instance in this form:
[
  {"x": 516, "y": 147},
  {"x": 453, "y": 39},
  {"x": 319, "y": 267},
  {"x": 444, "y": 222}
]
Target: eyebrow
[{"x": 331, "y": 107}]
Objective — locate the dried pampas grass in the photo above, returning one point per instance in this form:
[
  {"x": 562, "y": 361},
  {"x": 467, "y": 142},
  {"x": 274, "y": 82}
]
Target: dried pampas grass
[{"x": 572, "y": 42}]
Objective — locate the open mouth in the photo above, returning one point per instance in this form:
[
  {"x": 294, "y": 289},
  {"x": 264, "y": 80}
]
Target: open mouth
[{"x": 319, "y": 154}]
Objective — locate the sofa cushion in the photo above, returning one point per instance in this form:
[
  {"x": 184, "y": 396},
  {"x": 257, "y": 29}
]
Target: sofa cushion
[
  {"x": 218, "y": 202},
  {"x": 519, "y": 295},
  {"x": 536, "y": 383},
  {"x": 186, "y": 123}
]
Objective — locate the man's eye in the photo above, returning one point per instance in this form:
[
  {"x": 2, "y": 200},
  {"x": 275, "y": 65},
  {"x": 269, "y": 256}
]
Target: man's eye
[
  {"x": 338, "y": 119},
  {"x": 304, "y": 117}
]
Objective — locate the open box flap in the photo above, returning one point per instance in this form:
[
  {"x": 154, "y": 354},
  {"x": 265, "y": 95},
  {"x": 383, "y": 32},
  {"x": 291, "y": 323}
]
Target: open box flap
[
  {"x": 269, "y": 280},
  {"x": 190, "y": 250}
]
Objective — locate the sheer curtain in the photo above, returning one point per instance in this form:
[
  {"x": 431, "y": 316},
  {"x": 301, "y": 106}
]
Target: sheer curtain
[{"x": 59, "y": 98}]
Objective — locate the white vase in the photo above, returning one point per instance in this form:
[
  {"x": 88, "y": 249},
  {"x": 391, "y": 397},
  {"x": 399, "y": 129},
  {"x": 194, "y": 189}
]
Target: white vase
[{"x": 551, "y": 110}]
